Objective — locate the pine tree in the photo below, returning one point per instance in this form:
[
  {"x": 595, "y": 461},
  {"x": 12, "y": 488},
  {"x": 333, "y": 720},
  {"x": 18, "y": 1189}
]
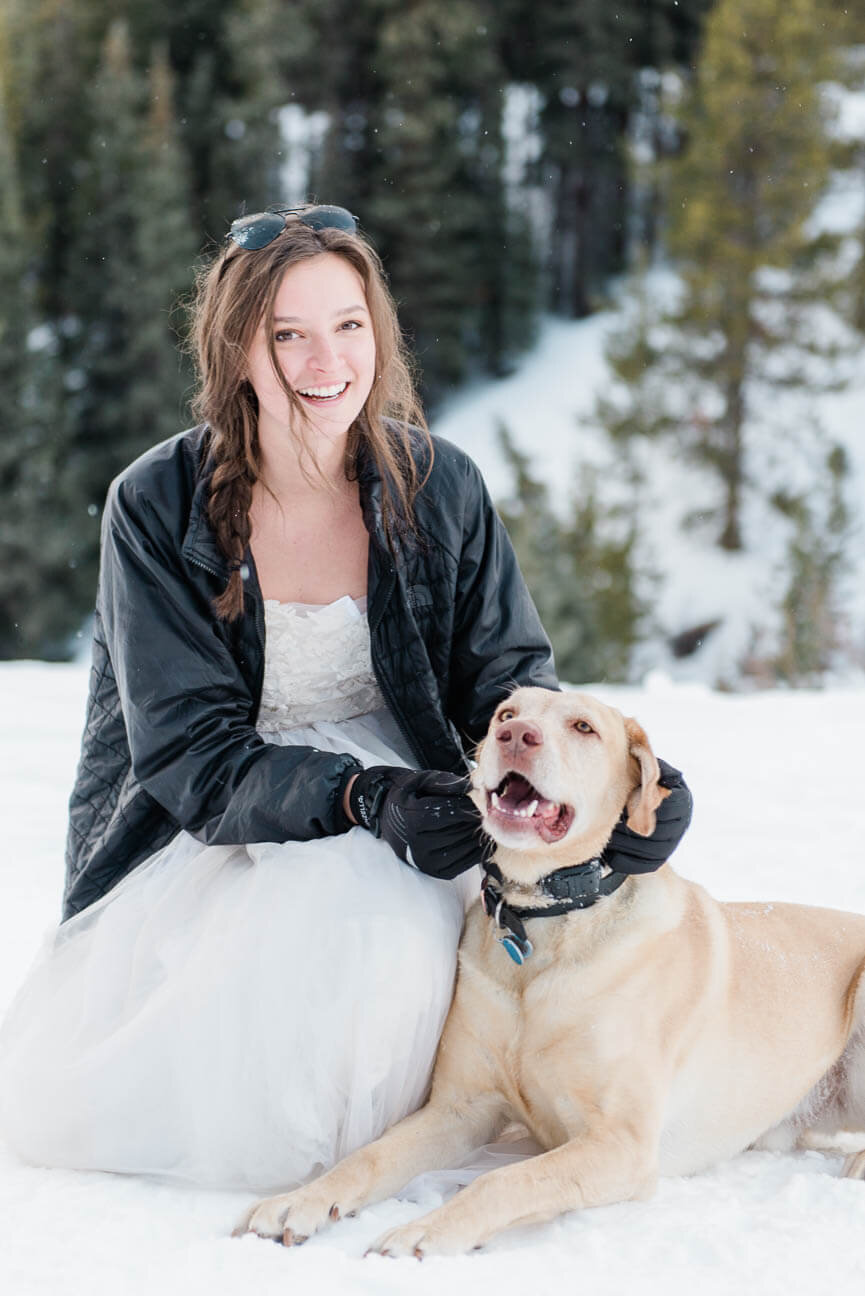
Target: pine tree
[
  {"x": 813, "y": 623},
  {"x": 323, "y": 61},
  {"x": 584, "y": 57},
  {"x": 15, "y": 322},
  {"x": 850, "y": 149},
  {"x": 15, "y": 311},
  {"x": 582, "y": 571},
  {"x": 33, "y": 560},
  {"x": 740, "y": 197},
  {"x": 107, "y": 281},
  {"x": 435, "y": 203},
  {"x": 133, "y": 250},
  {"x": 165, "y": 246},
  {"x": 45, "y": 71},
  {"x": 233, "y": 93}
]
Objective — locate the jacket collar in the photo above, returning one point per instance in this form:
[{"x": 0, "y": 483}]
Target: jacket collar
[{"x": 199, "y": 542}]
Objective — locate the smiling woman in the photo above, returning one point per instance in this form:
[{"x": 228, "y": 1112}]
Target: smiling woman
[
  {"x": 325, "y": 353},
  {"x": 310, "y": 546},
  {"x": 303, "y": 370},
  {"x": 307, "y": 613}
]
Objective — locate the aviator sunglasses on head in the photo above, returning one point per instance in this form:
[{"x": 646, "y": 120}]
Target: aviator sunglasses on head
[{"x": 257, "y": 231}]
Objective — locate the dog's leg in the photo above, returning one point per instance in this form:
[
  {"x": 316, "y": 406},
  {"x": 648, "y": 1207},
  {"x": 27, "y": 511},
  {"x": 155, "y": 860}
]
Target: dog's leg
[
  {"x": 854, "y": 1166},
  {"x": 439, "y": 1135},
  {"x": 612, "y": 1166}
]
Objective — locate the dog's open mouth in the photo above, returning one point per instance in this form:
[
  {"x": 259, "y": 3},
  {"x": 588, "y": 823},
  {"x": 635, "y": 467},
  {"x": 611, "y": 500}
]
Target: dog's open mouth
[{"x": 517, "y": 804}]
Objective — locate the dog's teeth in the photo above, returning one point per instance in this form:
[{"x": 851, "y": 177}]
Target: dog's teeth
[
  {"x": 495, "y": 800},
  {"x": 531, "y": 809}
]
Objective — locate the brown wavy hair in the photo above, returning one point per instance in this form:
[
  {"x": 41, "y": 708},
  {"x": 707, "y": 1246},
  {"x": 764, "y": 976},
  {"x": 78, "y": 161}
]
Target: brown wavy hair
[{"x": 233, "y": 295}]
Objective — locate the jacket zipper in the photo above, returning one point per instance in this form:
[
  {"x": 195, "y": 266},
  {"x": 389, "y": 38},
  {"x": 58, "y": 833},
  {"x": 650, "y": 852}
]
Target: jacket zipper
[{"x": 204, "y": 566}]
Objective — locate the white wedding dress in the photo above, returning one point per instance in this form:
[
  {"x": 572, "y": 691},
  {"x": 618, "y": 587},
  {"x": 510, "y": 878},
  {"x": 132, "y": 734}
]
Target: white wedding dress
[{"x": 244, "y": 1016}]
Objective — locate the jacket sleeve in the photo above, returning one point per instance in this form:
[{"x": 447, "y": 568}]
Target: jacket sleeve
[
  {"x": 188, "y": 711},
  {"x": 499, "y": 643}
]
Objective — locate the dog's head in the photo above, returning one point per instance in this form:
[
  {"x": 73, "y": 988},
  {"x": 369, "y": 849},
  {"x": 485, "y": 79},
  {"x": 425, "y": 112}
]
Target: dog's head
[{"x": 553, "y": 775}]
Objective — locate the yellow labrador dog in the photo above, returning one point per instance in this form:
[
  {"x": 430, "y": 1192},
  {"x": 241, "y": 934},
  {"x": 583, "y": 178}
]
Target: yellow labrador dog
[{"x": 651, "y": 1033}]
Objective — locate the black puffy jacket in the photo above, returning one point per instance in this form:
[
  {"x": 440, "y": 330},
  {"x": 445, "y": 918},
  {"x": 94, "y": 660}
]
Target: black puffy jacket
[{"x": 170, "y": 739}]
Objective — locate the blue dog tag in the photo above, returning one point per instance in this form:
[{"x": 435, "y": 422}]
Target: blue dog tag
[{"x": 517, "y": 954}]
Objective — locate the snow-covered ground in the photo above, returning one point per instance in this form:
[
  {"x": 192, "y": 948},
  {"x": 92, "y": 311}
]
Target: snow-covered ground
[{"x": 777, "y": 784}]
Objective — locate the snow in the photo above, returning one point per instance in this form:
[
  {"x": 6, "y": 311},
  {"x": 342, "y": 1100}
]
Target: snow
[{"x": 777, "y": 786}]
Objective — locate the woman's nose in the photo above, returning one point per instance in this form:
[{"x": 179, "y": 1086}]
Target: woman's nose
[{"x": 324, "y": 354}]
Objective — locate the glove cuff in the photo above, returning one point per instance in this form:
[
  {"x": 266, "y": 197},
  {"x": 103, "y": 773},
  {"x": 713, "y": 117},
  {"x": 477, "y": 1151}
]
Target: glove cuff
[{"x": 366, "y": 795}]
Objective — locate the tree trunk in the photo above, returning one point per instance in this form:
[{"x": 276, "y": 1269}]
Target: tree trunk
[{"x": 732, "y": 465}]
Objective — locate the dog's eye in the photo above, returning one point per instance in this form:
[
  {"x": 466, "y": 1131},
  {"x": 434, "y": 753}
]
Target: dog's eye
[
  {"x": 506, "y": 715},
  {"x": 583, "y": 726}
]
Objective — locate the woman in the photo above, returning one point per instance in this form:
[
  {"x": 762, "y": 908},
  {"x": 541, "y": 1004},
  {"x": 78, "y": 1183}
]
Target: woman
[{"x": 307, "y": 613}]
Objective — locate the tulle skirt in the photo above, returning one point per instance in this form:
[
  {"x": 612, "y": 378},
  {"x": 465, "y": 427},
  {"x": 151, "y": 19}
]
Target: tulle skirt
[{"x": 237, "y": 1016}]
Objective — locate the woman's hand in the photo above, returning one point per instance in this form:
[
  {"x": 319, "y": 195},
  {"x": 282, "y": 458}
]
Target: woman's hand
[{"x": 425, "y": 816}]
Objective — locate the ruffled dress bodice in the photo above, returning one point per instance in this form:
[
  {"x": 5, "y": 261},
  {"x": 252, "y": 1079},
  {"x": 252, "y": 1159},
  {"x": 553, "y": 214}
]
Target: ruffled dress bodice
[
  {"x": 320, "y": 688},
  {"x": 317, "y": 665}
]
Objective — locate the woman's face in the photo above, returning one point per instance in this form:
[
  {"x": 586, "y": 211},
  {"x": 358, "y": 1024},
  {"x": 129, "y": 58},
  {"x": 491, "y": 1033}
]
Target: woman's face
[{"x": 325, "y": 346}]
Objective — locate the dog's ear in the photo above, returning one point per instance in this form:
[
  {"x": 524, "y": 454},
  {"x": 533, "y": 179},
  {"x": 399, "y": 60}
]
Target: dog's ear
[{"x": 648, "y": 793}]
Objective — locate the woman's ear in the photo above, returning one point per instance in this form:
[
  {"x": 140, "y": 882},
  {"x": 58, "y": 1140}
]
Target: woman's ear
[{"x": 647, "y": 794}]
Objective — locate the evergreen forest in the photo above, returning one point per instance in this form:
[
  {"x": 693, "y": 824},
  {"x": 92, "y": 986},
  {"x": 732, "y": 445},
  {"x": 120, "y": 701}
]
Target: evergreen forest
[{"x": 509, "y": 160}]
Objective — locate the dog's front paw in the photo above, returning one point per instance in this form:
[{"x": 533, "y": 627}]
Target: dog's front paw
[
  {"x": 425, "y": 1236},
  {"x": 292, "y": 1217}
]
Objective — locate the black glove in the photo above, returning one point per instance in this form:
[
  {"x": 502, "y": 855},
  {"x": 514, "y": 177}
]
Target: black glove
[
  {"x": 425, "y": 816},
  {"x": 628, "y": 852}
]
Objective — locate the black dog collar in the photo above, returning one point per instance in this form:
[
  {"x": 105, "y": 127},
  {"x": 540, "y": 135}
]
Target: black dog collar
[{"x": 578, "y": 887}]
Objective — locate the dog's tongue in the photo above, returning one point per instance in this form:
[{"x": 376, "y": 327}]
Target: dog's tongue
[{"x": 519, "y": 793}]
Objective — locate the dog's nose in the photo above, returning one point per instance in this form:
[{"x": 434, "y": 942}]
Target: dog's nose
[{"x": 518, "y": 734}]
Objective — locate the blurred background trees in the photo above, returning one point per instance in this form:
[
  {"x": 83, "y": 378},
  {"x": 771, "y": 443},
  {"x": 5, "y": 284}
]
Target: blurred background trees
[
  {"x": 756, "y": 163},
  {"x": 131, "y": 135},
  {"x": 488, "y": 149}
]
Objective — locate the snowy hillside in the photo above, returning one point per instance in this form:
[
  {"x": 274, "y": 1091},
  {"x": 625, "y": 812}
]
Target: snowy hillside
[
  {"x": 547, "y": 406},
  {"x": 777, "y": 790}
]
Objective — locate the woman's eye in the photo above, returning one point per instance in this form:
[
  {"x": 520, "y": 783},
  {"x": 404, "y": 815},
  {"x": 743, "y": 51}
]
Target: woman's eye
[
  {"x": 351, "y": 324},
  {"x": 285, "y": 335}
]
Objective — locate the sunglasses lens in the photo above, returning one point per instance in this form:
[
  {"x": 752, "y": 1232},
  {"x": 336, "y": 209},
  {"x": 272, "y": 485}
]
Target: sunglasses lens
[
  {"x": 254, "y": 232},
  {"x": 328, "y": 218}
]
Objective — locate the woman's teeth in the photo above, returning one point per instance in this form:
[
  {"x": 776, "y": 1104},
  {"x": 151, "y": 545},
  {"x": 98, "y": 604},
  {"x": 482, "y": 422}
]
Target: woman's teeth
[{"x": 323, "y": 393}]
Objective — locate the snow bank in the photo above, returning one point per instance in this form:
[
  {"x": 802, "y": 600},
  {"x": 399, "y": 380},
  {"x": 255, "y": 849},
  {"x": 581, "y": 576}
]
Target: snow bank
[{"x": 777, "y": 788}]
